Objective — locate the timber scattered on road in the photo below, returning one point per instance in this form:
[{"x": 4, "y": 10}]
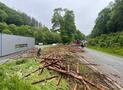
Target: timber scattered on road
[{"x": 64, "y": 62}]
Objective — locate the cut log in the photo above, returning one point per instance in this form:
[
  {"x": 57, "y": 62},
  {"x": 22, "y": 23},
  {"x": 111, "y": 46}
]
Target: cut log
[
  {"x": 74, "y": 75},
  {"x": 59, "y": 80},
  {"x": 44, "y": 80},
  {"x": 75, "y": 87},
  {"x": 40, "y": 68}
]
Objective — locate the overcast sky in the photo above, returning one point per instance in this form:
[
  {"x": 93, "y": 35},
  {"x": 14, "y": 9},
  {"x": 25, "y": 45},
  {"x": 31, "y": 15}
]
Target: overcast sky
[{"x": 85, "y": 11}]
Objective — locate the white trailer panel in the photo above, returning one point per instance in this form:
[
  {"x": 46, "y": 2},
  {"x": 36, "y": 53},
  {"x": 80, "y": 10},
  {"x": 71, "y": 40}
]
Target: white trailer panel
[{"x": 12, "y": 43}]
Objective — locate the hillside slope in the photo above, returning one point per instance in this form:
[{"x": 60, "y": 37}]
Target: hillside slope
[
  {"x": 107, "y": 34},
  {"x": 11, "y": 16},
  {"x": 109, "y": 20}
]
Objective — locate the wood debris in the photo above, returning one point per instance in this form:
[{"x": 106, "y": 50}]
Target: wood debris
[{"x": 55, "y": 60}]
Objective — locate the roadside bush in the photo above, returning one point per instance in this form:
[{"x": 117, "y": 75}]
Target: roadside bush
[{"x": 107, "y": 40}]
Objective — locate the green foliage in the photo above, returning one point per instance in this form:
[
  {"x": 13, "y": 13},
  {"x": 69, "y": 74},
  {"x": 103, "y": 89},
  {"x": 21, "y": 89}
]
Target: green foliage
[
  {"x": 101, "y": 23},
  {"x": 69, "y": 26},
  {"x": 12, "y": 72},
  {"x": 3, "y": 16},
  {"x": 112, "y": 40},
  {"x": 7, "y": 31},
  {"x": 114, "y": 51},
  {"x": 21, "y": 61},
  {"x": 63, "y": 21},
  {"x": 46, "y": 36},
  {"x": 42, "y": 34},
  {"x": 57, "y": 20},
  {"x": 79, "y": 35},
  {"x": 107, "y": 33},
  {"x": 11, "y": 16},
  {"x": 17, "y": 23},
  {"x": 3, "y": 26},
  {"x": 11, "y": 78},
  {"x": 109, "y": 20},
  {"x": 14, "y": 83}
]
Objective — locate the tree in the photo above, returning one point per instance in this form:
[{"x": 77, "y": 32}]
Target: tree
[
  {"x": 57, "y": 19},
  {"x": 11, "y": 16},
  {"x": 3, "y": 16},
  {"x": 117, "y": 16},
  {"x": 15, "y": 19},
  {"x": 79, "y": 35},
  {"x": 25, "y": 31},
  {"x": 101, "y": 23},
  {"x": 63, "y": 20},
  {"x": 110, "y": 19},
  {"x": 69, "y": 26}
]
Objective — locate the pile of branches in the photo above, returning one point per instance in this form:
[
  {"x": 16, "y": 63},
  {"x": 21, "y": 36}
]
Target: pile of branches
[{"x": 55, "y": 61}]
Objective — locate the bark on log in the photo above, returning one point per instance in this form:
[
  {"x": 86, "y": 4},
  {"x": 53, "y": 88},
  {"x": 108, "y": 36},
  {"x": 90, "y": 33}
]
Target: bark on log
[
  {"x": 40, "y": 68},
  {"x": 44, "y": 80},
  {"x": 74, "y": 75}
]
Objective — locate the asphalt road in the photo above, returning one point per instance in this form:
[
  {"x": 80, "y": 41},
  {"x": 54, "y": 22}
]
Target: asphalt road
[{"x": 108, "y": 64}]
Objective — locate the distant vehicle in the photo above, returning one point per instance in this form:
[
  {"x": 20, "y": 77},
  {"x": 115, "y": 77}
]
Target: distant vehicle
[
  {"x": 84, "y": 42},
  {"x": 54, "y": 44},
  {"x": 40, "y": 44},
  {"x": 78, "y": 42}
]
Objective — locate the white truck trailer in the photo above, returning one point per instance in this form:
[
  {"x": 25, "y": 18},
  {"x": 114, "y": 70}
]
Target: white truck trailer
[{"x": 11, "y": 44}]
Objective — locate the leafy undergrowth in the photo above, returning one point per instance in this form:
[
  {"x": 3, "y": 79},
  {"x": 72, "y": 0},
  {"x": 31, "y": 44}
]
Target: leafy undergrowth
[{"x": 11, "y": 76}]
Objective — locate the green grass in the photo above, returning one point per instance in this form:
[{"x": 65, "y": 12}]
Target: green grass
[
  {"x": 12, "y": 72},
  {"x": 114, "y": 51}
]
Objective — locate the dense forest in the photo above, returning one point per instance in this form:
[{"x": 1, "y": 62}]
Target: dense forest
[
  {"x": 18, "y": 23},
  {"x": 11, "y": 16},
  {"x": 108, "y": 30}
]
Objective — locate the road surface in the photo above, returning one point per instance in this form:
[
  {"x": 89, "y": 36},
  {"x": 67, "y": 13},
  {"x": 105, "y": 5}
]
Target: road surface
[{"x": 108, "y": 64}]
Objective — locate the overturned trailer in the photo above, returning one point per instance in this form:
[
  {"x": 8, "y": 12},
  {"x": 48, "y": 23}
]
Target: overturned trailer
[{"x": 11, "y": 44}]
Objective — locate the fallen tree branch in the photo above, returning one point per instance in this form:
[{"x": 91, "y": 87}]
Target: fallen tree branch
[
  {"x": 53, "y": 59},
  {"x": 44, "y": 80},
  {"x": 75, "y": 87},
  {"x": 74, "y": 75},
  {"x": 59, "y": 80},
  {"x": 40, "y": 68},
  {"x": 86, "y": 85}
]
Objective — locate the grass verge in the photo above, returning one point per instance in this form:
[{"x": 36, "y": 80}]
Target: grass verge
[
  {"x": 12, "y": 72},
  {"x": 114, "y": 51}
]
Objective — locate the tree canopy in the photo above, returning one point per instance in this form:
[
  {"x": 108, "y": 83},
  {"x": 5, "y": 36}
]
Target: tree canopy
[
  {"x": 110, "y": 19},
  {"x": 11, "y": 16},
  {"x": 63, "y": 21},
  {"x": 108, "y": 29}
]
